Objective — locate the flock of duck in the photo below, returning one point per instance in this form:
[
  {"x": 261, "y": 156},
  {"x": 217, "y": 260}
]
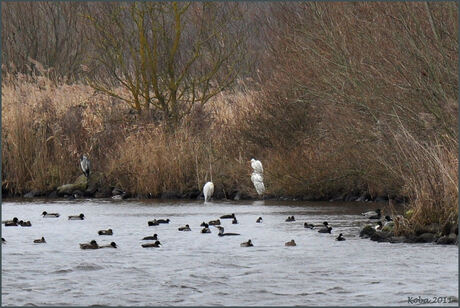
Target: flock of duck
[{"x": 206, "y": 228}]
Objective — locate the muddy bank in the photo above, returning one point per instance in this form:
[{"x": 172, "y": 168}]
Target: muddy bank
[{"x": 97, "y": 186}]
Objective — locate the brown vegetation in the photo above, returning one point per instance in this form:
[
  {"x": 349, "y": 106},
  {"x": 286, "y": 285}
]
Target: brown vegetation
[{"x": 355, "y": 98}]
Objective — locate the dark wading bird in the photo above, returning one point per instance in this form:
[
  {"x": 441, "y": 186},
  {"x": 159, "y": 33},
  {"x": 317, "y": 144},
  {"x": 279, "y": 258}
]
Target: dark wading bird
[{"x": 85, "y": 165}]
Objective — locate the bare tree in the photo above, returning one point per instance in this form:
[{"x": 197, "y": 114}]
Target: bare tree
[{"x": 169, "y": 56}]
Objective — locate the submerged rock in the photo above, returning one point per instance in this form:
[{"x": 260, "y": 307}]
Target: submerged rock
[
  {"x": 52, "y": 195},
  {"x": 381, "y": 236},
  {"x": 31, "y": 194},
  {"x": 397, "y": 239},
  {"x": 367, "y": 231},
  {"x": 425, "y": 238},
  {"x": 446, "y": 240}
]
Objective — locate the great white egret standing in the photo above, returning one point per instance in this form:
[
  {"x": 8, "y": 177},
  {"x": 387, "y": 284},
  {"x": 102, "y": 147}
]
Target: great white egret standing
[
  {"x": 85, "y": 165},
  {"x": 257, "y": 177},
  {"x": 257, "y": 166},
  {"x": 258, "y": 181},
  {"x": 208, "y": 190}
]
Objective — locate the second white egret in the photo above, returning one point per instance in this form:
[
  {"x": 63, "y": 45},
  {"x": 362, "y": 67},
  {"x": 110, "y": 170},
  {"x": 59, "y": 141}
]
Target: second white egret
[{"x": 208, "y": 190}]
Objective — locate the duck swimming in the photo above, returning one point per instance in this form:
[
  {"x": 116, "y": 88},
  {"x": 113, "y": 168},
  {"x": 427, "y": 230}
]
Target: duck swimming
[
  {"x": 156, "y": 244},
  {"x": 229, "y": 216},
  {"x": 153, "y": 223},
  {"x": 151, "y": 238},
  {"x": 12, "y": 223},
  {"x": 325, "y": 229},
  {"x": 290, "y": 218},
  {"x": 234, "y": 221},
  {"x": 105, "y": 232},
  {"x": 25, "y": 223},
  {"x": 203, "y": 224},
  {"x": 15, "y": 220},
  {"x": 90, "y": 245},
  {"x": 373, "y": 214},
  {"x": 163, "y": 221},
  {"x": 247, "y": 244},
  {"x": 50, "y": 215},
  {"x": 221, "y": 232},
  {"x": 78, "y": 217},
  {"x": 42, "y": 240},
  {"x": 205, "y": 230},
  {"x": 307, "y": 225},
  {"x": 290, "y": 243},
  {"x": 340, "y": 237},
  {"x": 111, "y": 245},
  {"x": 185, "y": 228},
  {"x": 214, "y": 222},
  {"x": 259, "y": 220}
]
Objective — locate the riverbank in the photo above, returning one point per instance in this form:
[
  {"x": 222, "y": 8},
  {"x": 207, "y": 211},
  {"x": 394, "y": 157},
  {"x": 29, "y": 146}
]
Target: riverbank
[{"x": 47, "y": 126}]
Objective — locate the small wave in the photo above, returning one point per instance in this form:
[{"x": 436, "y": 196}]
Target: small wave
[
  {"x": 62, "y": 271},
  {"x": 335, "y": 289},
  {"x": 88, "y": 267}
]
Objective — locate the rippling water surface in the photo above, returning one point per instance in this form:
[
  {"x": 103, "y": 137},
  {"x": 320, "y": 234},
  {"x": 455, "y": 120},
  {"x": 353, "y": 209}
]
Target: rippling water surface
[{"x": 203, "y": 269}]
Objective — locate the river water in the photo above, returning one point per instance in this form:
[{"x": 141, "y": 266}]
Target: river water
[{"x": 204, "y": 269}]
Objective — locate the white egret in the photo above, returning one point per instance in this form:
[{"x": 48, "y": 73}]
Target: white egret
[
  {"x": 85, "y": 165},
  {"x": 208, "y": 190},
  {"x": 258, "y": 182},
  {"x": 257, "y": 166}
]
